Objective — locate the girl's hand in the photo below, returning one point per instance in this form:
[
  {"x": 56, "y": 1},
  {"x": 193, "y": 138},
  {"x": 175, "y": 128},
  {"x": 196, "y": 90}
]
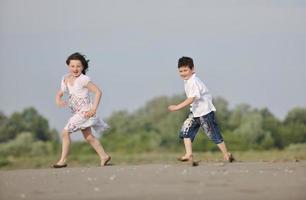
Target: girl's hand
[
  {"x": 90, "y": 113},
  {"x": 172, "y": 108},
  {"x": 61, "y": 103}
]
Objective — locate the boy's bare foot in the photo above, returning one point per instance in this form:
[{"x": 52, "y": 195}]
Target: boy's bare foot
[
  {"x": 195, "y": 163},
  {"x": 185, "y": 158},
  {"x": 105, "y": 161},
  {"x": 229, "y": 158}
]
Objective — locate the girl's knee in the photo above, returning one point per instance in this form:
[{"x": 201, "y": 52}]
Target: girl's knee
[
  {"x": 90, "y": 138},
  {"x": 65, "y": 133}
]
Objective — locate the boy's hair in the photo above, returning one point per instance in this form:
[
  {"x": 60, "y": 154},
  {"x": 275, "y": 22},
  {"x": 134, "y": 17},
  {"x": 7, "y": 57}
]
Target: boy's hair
[
  {"x": 80, "y": 57},
  {"x": 185, "y": 61}
]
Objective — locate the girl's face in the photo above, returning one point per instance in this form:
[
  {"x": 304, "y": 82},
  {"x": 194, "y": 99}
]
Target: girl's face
[
  {"x": 75, "y": 68},
  {"x": 185, "y": 72}
]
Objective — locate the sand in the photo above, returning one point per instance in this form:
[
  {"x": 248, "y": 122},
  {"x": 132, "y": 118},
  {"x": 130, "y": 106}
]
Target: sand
[{"x": 226, "y": 181}]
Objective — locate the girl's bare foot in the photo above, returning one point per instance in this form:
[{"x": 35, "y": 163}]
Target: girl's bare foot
[{"x": 60, "y": 164}]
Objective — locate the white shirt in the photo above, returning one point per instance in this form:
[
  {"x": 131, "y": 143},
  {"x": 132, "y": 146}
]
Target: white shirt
[
  {"x": 79, "y": 102},
  {"x": 79, "y": 99},
  {"x": 77, "y": 88},
  {"x": 202, "y": 103}
]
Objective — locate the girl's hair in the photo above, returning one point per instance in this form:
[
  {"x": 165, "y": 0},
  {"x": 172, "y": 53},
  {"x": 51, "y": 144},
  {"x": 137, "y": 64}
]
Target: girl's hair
[
  {"x": 80, "y": 57},
  {"x": 185, "y": 61}
]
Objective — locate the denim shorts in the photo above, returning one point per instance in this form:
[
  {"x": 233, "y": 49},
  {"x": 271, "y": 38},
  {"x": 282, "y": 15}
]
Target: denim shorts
[{"x": 208, "y": 122}]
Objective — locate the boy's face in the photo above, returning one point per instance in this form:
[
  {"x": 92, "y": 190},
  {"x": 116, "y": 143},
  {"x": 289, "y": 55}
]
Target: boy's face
[
  {"x": 75, "y": 68},
  {"x": 185, "y": 72}
]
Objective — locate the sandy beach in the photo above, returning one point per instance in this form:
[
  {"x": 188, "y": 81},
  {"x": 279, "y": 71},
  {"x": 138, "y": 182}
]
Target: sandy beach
[{"x": 217, "y": 180}]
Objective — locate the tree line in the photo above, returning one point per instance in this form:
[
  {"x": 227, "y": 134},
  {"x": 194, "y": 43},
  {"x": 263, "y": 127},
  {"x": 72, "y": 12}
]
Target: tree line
[
  {"x": 153, "y": 128},
  {"x": 243, "y": 127}
]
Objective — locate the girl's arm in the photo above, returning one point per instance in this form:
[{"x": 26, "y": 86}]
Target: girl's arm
[
  {"x": 58, "y": 99},
  {"x": 181, "y": 105},
  {"x": 94, "y": 89}
]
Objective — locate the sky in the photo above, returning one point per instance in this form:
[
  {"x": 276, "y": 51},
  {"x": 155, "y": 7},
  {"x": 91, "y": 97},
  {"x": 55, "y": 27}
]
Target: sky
[{"x": 245, "y": 51}]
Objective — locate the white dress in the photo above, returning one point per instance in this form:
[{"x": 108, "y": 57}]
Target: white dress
[{"x": 79, "y": 103}]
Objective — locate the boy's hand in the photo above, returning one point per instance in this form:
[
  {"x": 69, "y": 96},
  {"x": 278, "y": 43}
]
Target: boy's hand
[
  {"x": 181, "y": 105},
  {"x": 172, "y": 108},
  {"x": 90, "y": 113}
]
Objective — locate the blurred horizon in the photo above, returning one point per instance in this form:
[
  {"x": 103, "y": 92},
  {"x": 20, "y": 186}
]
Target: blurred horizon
[{"x": 249, "y": 52}]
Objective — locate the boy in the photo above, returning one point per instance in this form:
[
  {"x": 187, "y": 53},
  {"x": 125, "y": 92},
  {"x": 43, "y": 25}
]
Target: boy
[{"x": 201, "y": 111}]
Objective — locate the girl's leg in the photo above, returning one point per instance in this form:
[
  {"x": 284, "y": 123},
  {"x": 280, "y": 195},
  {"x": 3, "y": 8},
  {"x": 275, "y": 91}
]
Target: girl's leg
[
  {"x": 95, "y": 143},
  {"x": 65, "y": 147}
]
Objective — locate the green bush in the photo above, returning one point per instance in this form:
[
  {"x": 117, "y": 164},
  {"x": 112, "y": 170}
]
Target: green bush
[
  {"x": 25, "y": 145},
  {"x": 40, "y": 148},
  {"x": 20, "y": 146},
  {"x": 4, "y": 161},
  {"x": 297, "y": 147}
]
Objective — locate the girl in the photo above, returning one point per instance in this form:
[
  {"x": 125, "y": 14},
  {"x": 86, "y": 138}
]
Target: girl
[{"x": 78, "y": 86}]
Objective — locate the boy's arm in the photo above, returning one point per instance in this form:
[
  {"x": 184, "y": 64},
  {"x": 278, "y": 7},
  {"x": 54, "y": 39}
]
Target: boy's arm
[
  {"x": 181, "y": 105},
  {"x": 94, "y": 89}
]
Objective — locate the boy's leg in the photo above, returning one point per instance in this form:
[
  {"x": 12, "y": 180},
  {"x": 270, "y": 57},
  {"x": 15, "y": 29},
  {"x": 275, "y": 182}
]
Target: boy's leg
[
  {"x": 65, "y": 147},
  {"x": 210, "y": 126},
  {"x": 226, "y": 155},
  {"x": 188, "y": 133},
  {"x": 95, "y": 143},
  {"x": 188, "y": 149}
]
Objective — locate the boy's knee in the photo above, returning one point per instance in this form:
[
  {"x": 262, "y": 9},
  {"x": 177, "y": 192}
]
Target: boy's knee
[{"x": 216, "y": 137}]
